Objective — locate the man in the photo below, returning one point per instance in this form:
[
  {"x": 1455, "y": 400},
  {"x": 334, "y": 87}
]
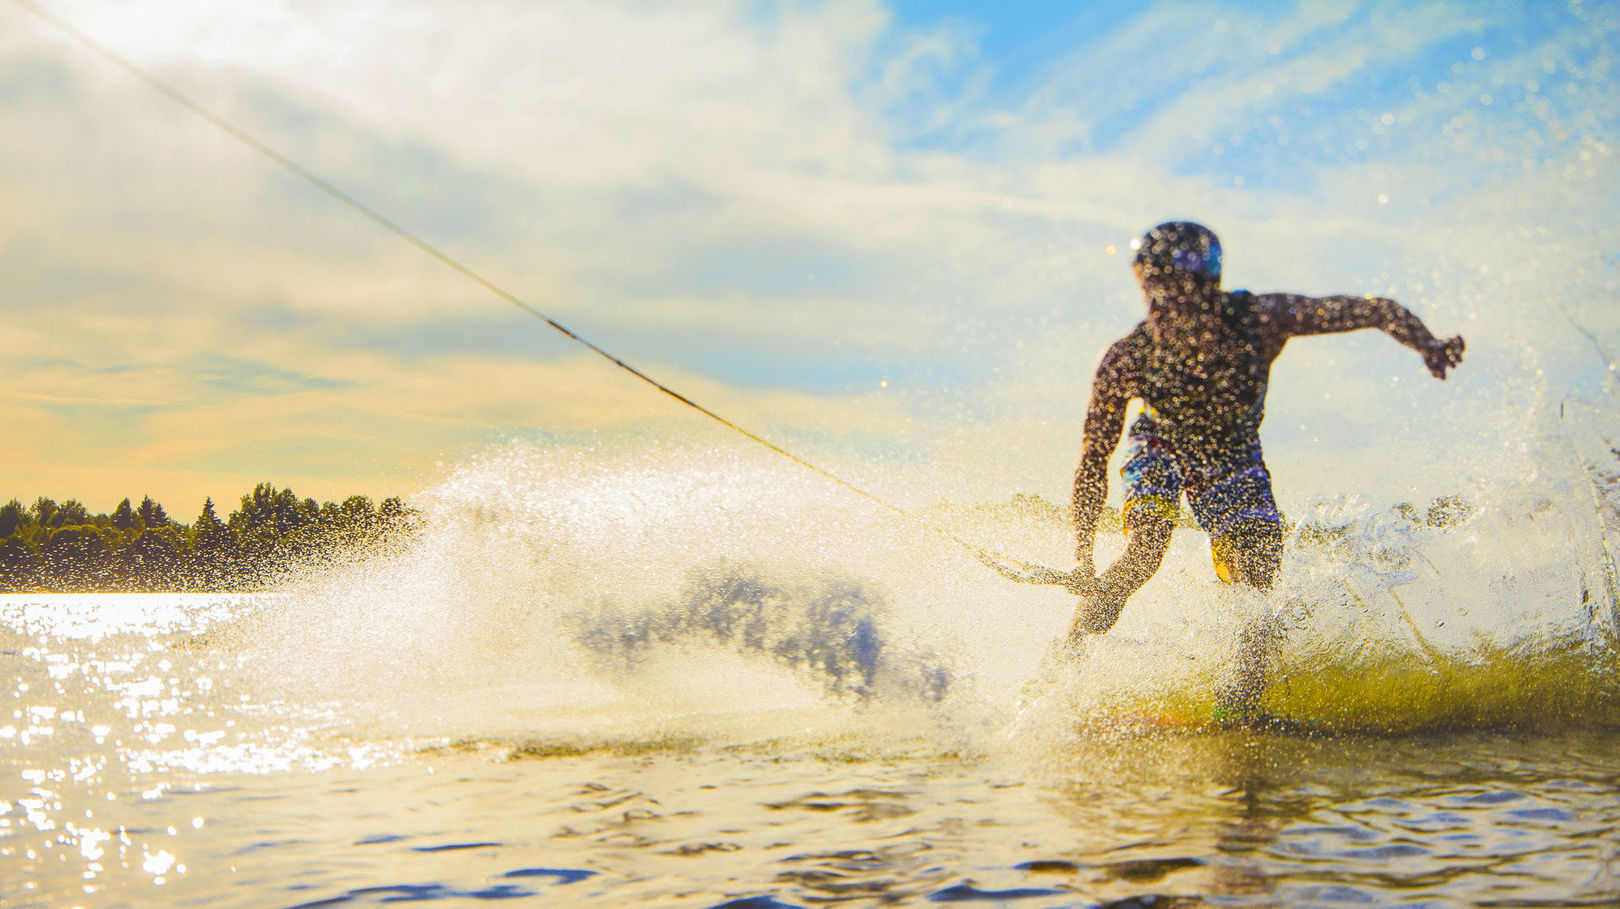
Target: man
[{"x": 1200, "y": 363}]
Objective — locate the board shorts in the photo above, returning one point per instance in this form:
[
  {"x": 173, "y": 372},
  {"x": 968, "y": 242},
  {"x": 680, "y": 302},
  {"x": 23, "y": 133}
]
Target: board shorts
[{"x": 1229, "y": 494}]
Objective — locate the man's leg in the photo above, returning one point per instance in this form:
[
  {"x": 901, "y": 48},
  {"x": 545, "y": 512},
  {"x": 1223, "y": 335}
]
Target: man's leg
[
  {"x": 1249, "y": 553},
  {"x": 1152, "y": 499},
  {"x": 1145, "y": 544},
  {"x": 1248, "y": 550}
]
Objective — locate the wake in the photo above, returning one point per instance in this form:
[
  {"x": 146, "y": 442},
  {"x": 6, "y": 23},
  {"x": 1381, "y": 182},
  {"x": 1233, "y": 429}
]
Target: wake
[{"x": 549, "y": 592}]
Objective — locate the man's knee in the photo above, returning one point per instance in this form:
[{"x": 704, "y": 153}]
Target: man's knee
[
  {"x": 1148, "y": 523},
  {"x": 1249, "y": 553},
  {"x": 1149, "y": 516}
]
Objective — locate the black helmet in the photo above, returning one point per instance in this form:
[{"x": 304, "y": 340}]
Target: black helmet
[{"x": 1180, "y": 245}]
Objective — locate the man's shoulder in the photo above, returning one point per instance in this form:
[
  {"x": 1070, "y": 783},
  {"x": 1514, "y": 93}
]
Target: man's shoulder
[
  {"x": 1261, "y": 304},
  {"x": 1244, "y": 302},
  {"x": 1265, "y": 313},
  {"x": 1123, "y": 359},
  {"x": 1132, "y": 345}
]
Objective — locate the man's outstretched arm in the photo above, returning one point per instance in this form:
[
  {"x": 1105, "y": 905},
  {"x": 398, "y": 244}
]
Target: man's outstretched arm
[
  {"x": 1105, "y": 418},
  {"x": 1286, "y": 315}
]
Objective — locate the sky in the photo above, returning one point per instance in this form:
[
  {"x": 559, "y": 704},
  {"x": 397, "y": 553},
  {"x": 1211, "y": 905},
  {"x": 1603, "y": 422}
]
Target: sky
[{"x": 892, "y": 237}]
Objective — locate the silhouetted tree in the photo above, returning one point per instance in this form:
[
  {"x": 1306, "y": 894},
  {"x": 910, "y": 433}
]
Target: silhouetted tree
[
  {"x": 45, "y": 512},
  {"x": 359, "y": 523},
  {"x": 152, "y": 514},
  {"x": 72, "y": 513},
  {"x": 19, "y": 564},
  {"x": 12, "y": 517},
  {"x": 123, "y": 517},
  {"x": 211, "y": 552},
  {"x": 155, "y": 559},
  {"x": 269, "y": 528},
  {"x": 64, "y": 547},
  {"x": 393, "y": 511},
  {"x": 75, "y": 557}
]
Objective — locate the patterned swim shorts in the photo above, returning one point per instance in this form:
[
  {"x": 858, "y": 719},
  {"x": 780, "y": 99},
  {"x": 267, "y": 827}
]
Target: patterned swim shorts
[{"x": 1232, "y": 491}]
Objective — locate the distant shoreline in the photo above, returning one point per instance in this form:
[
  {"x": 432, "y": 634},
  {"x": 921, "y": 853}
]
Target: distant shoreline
[{"x": 48, "y": 547}]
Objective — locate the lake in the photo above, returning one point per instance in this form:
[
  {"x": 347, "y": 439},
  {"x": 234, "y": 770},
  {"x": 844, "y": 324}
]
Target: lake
[
  {"x": 148, "y": 764},
  {"x": 593, "y": 685}
]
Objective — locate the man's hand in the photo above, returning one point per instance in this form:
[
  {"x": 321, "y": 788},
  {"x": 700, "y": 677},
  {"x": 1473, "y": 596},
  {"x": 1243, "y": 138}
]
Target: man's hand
[
  {"x": 1079, "y": 583},
  {"x": 1440, "y": 355}
]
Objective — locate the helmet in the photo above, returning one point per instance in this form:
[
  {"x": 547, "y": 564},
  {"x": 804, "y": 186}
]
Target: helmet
[{"x": 1180, "y": 245}]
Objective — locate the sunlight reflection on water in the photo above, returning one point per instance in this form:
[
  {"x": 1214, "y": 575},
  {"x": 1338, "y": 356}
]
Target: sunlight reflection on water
[
  {"x": 111, "y": 720},
  {"x": 149, "y": 769}
]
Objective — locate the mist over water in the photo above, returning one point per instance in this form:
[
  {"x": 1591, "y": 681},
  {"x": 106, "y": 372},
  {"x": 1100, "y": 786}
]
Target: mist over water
[{"x": 551, "y": 592}]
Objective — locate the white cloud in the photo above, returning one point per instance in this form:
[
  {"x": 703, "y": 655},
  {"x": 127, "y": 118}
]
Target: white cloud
[{"x": 684, "y": 180}]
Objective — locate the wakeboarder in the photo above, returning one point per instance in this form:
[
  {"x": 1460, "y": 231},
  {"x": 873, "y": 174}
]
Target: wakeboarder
[{"x": 1200, "y": 364}]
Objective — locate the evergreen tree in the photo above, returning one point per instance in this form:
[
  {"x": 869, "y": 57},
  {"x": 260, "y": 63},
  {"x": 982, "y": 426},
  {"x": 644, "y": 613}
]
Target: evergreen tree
[
  {"x": 208, "y": 525},
  {"x": 12, "y": 517},
  {"x": 152, "y": 514},
  {"x": 210, "y": 553},
  {"x": 155, "y": 559},
  {"x": 123, "y": 517}
]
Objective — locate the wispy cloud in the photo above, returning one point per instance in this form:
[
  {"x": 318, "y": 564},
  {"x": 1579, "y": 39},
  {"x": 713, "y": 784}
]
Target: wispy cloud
[{"x": 841, "y": 195}]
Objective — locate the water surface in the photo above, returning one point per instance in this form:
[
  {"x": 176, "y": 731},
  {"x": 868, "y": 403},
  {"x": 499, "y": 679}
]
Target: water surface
[
  {"x": 144, "y": 770},
  {"x": 599, "y": 684}
]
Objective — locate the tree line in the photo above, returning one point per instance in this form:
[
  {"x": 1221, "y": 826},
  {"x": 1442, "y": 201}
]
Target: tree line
[{"x": 62, "y": 547}]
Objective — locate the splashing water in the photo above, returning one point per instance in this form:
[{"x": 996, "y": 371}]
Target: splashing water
[
  {"x": 559, "y": 599},
  {"x": 646, "y": 634},
  {"x": 553, "y": 594}
]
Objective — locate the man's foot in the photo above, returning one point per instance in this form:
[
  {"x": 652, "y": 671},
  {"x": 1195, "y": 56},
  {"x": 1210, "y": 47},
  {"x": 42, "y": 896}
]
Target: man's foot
[
  {"x": 1238, "y": 715},
  {"x": 1237, "y": 704}
]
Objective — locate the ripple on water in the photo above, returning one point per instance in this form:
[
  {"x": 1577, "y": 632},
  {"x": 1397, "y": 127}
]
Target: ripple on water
[{"x": 132, "y": 782}]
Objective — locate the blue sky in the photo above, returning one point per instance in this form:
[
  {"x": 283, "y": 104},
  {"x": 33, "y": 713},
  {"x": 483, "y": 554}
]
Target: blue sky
[{"x": 886, "y": 234}]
